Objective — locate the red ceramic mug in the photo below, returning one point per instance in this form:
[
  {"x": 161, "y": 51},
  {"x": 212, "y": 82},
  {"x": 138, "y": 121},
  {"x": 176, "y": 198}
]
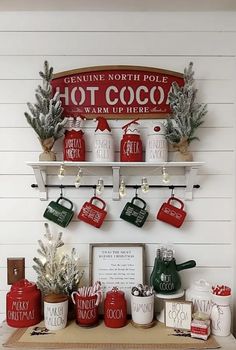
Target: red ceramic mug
[
  {"x": 92, "y": 214},
  {"x": 171, "y": 214},
  {"x": 86, "y": 309}
]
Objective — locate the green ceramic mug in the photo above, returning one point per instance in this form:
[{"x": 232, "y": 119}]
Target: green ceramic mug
[
  {"x": 135, "y": 214},
  {"x": 58, "y": 213}
]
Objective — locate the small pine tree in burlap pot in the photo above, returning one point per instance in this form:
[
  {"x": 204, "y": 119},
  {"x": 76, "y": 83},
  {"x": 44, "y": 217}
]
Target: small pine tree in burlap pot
[
  {"x": 186, "y": 115},
  {"x": 46, "y": 115}
]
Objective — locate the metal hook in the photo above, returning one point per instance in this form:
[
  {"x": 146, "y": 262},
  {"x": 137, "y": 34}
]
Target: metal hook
[
  {"x": 136, "y": 191},
  {"x": 172, "y": 191},
  {"x": 61, "y": 192},
  {"x": 94, "y": 190}
]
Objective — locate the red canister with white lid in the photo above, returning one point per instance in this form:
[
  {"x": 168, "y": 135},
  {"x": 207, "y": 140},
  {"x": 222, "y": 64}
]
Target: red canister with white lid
[
  {"x": 115, "y": 309},
  {"x": 23, "y": 304}
]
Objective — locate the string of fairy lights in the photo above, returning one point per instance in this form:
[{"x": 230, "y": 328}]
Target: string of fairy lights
[{"x": 122, "y": 187}]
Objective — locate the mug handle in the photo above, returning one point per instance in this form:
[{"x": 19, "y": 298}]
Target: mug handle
[
  {"x": 139, "y": 199},
  {"x": 177, "y": 200},
  {"x": 67, "y": 200},
  {"x": 99, "y": 200}
]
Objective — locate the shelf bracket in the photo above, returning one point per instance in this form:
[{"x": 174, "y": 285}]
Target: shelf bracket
[
  {"x": 116, "y": 183},
  {"x": 190, "y": 174},
  {"x": 40, "y": 176}
]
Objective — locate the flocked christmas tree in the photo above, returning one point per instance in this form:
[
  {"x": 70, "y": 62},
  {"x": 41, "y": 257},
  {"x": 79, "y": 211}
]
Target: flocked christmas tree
[
  {"x": 186, "y": 115},
  {"x": 46, "y": 114},
  {"x": 57, "y": 272}
]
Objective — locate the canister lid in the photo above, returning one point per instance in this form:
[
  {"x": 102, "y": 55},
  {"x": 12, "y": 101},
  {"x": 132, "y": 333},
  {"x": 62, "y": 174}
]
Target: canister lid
[
  {"x": 202, "y": 285},
  {"x": 115, "y": 293},
  {"x": 55, "y": 298},
  {"x": 158, "y": 128},
  {"x": 23, "y": 286}
]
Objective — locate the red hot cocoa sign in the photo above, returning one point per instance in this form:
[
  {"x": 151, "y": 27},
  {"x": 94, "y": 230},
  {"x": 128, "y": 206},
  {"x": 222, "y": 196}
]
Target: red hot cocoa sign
[{"x": 116, "y": 91}]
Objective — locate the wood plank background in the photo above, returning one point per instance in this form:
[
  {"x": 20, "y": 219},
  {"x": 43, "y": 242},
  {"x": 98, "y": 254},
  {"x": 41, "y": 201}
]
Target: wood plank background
[{"x": 167, "y": 40}]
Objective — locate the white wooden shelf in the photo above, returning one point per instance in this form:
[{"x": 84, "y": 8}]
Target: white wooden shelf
[{"x": 41, "y": 170}]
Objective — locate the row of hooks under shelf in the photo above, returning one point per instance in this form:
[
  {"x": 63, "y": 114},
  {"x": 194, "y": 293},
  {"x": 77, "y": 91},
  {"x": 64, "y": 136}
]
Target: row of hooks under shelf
[
  {"x": 118, "y": 185},
  {"x": 100, "y": 186}
]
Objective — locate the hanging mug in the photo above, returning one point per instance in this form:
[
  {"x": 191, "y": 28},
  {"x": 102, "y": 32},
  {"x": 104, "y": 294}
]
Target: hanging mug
[
  {"x": 135, "y": 214},
  {"x": 92, "y": 214},
  {"x": 58, "y": 213},
  {"x": 171, "y": 214}
]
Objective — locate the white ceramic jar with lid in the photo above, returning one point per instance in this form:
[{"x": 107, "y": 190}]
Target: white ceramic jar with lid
[
  {"x": 156, "y": 145},
  {"x": 200, "y": 295}
]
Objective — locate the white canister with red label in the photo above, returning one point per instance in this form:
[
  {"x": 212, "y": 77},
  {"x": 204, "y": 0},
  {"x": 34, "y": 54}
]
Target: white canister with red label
[
  {"x": 156, "y": 145},
  {"x": 200, "y": 295}
]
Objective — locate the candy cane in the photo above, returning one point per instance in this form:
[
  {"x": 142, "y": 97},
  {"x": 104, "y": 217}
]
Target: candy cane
[
  {"x": 221, "y": 290},
  {"x": 72, "y": 296},
  {"x": 99, "y": 297}
]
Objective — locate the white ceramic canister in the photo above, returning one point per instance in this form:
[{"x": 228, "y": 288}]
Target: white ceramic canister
[
  {"x": 103, "y": 147},
  {"x": 200, "y": 295},
  {"x": 220, "y": 315},
  {"x": 142, "y": 309},
  {"x": 55, "y": 311},
  {"x": 156, "y": 145}
]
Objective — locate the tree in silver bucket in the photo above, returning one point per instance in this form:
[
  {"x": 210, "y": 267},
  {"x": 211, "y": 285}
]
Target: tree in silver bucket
[
  {"x": 46, "y": 115},
  {"x": 186, "y": 115}
]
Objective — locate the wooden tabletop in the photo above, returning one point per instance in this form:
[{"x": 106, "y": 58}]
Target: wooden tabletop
[{"x": 226, "y": 343}]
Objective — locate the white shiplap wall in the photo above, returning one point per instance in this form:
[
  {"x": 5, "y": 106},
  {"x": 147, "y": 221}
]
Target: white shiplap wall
[{"x": 166, "y": 40}]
